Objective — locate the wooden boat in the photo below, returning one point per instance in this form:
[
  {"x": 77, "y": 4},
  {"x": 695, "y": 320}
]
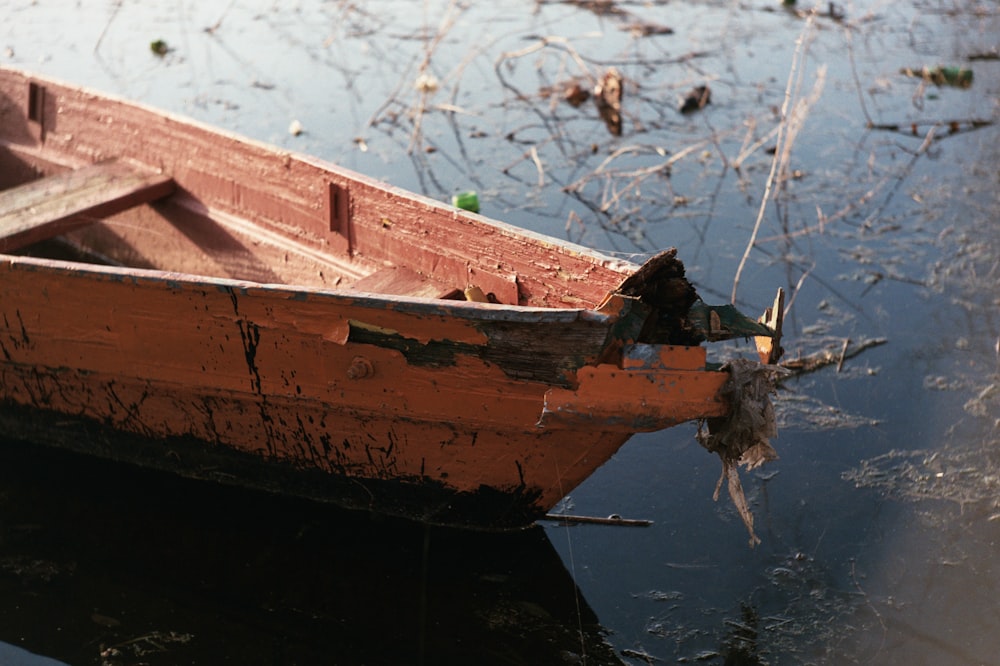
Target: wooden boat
[{"x": 185, "y": 299}]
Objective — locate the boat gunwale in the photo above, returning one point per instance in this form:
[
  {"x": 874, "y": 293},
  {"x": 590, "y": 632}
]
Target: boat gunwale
[{"x": 417, "y": 305}]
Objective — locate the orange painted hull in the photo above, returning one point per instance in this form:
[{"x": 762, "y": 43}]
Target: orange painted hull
[{"x": 224, "y": 337}]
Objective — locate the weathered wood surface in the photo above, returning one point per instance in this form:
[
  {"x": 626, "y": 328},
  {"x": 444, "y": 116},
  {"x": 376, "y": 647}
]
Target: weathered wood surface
[
  {"x": 401, "y": 281},
  {"x": 57, "y": 204},
  {"x": 464, "y": 395},
  {"x": 195, "y": 345},
  {"x": 276, "y": 374},
  {"x": 769, "y": 348},
  {"x": 314, "y": 203}
]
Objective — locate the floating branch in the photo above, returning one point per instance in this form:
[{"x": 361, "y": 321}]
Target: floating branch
[
  {"x": 954, "y": 126},
  {"x": 613, "y": 519},
  {"x": 825, "y": 357}
]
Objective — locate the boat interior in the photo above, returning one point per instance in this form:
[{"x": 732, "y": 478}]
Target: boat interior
[
  {"x": 113, "y": 213},
  {"x": 101, "y": 180}
]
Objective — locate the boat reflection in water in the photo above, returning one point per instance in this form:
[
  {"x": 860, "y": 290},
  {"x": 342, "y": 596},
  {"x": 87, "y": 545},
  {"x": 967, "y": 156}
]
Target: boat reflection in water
[{"x": 108, "y": 564}]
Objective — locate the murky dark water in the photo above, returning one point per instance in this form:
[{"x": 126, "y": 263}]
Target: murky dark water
[
  {"x": 103, "y": 564},
  {"x": 881, "y": 521}
]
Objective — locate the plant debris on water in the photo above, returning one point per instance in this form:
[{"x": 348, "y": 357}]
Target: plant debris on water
[
  {"x": 125, "y": 652},
  {"x": 844, "y": 152},
  {"x": 968, "y": 478}
]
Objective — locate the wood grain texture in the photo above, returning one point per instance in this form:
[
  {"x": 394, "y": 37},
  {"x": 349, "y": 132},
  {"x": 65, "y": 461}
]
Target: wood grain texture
[
  {"x": 279, "y": 311},
  {"x": 57, "y": 204},
  {"x": 288, "y": 194}
]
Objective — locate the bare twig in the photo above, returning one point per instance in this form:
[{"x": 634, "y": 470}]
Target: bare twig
[
  {"x": 538, "y": 166},
  {"x": 796, "y": 60},
  {"x": 747, "y": 150},
  {"x": 797, "y": 121},
  {"x": 543, "y": 43},
  {"x": 843, "y": 352},
  {"x": 218, "y": 24},
  {"x": 854, "y": 73},
  {"x": 868, "y": 602},
  {"x": 447, "y": 23},
  {"x": 798, "y": 287},
  {"x": 825, "y": 220},
  {"x": 825, "y": 357},
  {"x": 636, "y": 176},
  {"x": 954, "y": 125},
  {"x": 114, "y": 12}
]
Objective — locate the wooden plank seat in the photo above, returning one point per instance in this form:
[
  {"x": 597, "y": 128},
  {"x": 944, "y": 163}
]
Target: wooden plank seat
[
  {"x": 54, "y": 205},
  {"x": 401, "y": 281}
]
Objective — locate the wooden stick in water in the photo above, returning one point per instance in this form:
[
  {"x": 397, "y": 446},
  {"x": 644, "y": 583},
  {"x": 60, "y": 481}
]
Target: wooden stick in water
[{"x": 613, "y": 519}]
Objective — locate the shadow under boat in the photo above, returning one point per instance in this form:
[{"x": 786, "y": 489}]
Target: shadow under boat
[{"x": 106, "y": 564}]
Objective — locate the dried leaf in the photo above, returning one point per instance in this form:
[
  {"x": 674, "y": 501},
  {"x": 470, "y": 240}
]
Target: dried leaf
[
  {"x": 608, "y": 98},
  {"x": 696, "y": 99}
]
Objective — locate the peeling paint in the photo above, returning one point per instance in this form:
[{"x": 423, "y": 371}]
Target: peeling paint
[{"x": 433, "y": 409}]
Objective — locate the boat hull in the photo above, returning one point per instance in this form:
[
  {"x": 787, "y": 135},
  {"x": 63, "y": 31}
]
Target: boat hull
[
  {"x": 243, "y": 314},
  {"x": 400, "y": 410},
  {"x": 414, "y": 497}
]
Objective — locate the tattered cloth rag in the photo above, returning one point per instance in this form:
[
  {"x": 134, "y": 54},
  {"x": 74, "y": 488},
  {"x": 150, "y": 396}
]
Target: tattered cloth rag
[{"x": 743, "y": 436}]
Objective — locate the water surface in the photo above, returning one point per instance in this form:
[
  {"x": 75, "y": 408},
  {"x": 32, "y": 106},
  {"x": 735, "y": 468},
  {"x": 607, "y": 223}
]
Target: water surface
[{"x": 880, "y": 522}]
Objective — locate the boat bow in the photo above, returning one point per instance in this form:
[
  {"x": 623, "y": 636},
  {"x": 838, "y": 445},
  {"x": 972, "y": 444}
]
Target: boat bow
[
  {"x": 654, "y": 373},
  {"x": 656, "y": 386}
]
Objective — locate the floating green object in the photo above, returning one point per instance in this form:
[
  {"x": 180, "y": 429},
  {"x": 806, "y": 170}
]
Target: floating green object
[
  {"x": 956, "y": 76},
  {"x": 723, "y": 322},
  {"x": 466, "y": 201},
  {"x": 959, "y": 77},
  {"x": 159, "y": 47}
]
